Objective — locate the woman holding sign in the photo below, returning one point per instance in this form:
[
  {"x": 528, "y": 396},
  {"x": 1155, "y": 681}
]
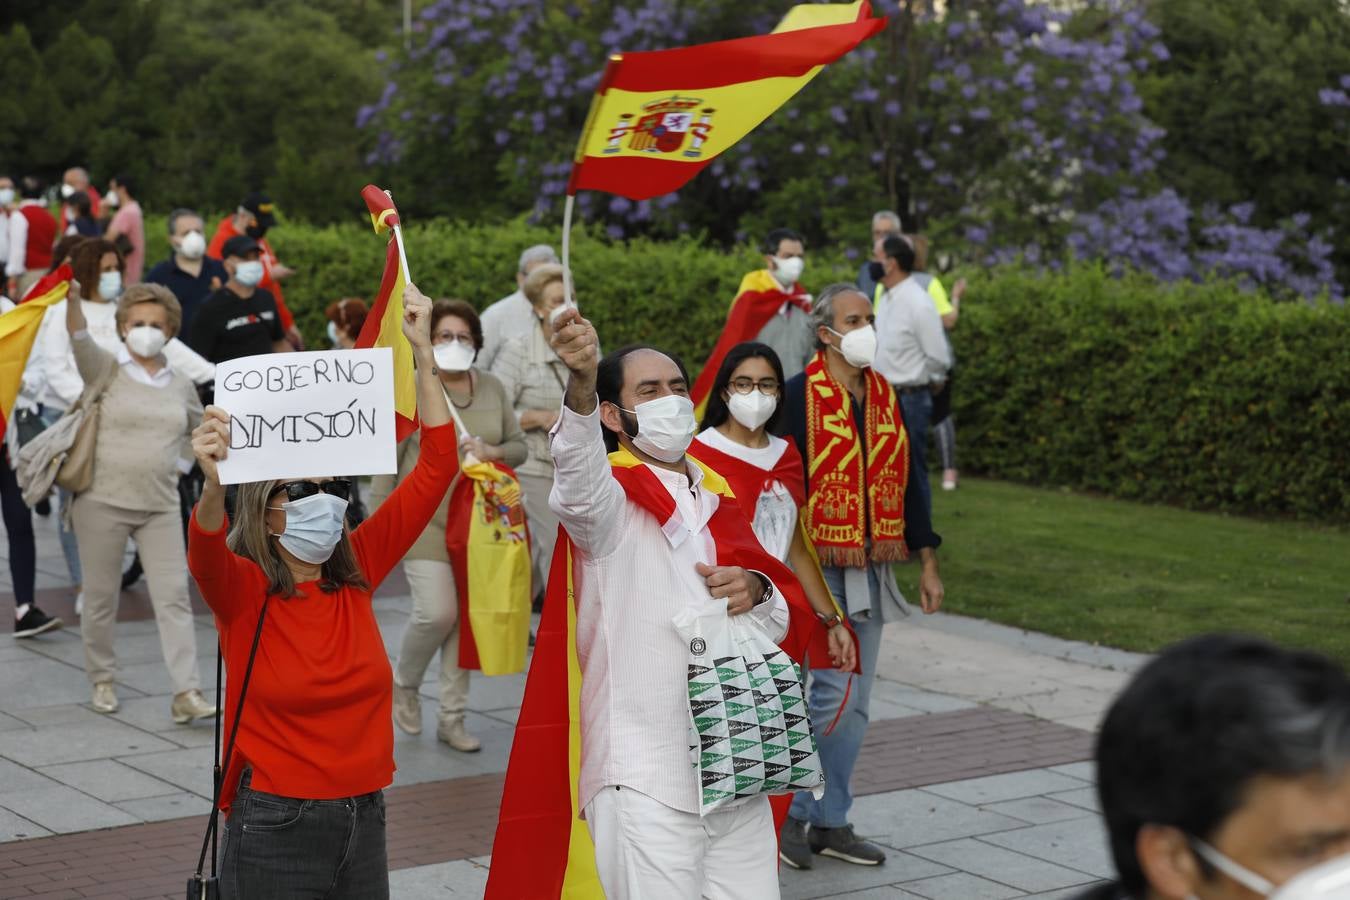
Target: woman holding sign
[
  {"x": 303, "y": 788},
  {"x": 433, "y": 623}
]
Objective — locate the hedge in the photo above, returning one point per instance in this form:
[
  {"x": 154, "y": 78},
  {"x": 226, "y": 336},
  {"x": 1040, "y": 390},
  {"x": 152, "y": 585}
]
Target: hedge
[{"x": 1195, "y": 395}]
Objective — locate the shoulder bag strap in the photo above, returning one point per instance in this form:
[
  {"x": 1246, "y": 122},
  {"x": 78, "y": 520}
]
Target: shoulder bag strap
[{"x": 223, "y": 766}]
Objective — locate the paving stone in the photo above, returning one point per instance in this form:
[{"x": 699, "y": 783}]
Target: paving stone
[
  {"x": 108, "y": 780},
  {"x": 499, "y": 692},
  {"x": 169, "y": 806},
  {"x": 461, "y": 878},
  {"x": 1083, "y": 797},
  {"x": 1038, "y": 810},
  {"x": 1026, "y": 873},
  {"x": 41, "y": 681},
  {"x": 188, "y": 770},
  {"x": 885, "y": 892},
  {"x": 911, "y": 818},
  {"x": 63, "y": 809},
  {"x": 14, "y": 778},
  {"x": 1072, "y": 893},
  {"x": 151, "y": 679},
  {"x": 961, "y": 886},
  {"x": 14, "y": 827},
  {"x": 828, "y": 877},
  {"x": 9, "y": 723},
  {"x": 1077, "y": 844},
  {"x": 1087, "y": 771},
  {"x": 994, "y": 788},
  {"x": 77, "y": 741},
  {"x": 917, "y": 698},
  {"x": 66, "y": 713}
]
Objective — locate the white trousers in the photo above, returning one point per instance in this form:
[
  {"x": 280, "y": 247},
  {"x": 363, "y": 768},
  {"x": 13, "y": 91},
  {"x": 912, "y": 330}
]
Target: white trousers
[{"x": 644, "y": 850}]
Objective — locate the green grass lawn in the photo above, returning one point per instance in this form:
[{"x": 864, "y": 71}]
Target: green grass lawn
[{"x": 1134, "y": 576}]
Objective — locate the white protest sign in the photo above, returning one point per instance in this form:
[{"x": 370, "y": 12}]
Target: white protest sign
[{"x": 308, "y": 415}]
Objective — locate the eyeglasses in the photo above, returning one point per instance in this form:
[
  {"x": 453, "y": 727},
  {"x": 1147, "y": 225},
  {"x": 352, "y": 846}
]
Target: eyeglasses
[
  {"x": 299, "y": 490},
  {"x": 446, "y": 337},
  {"x": 767, "y": 386}
]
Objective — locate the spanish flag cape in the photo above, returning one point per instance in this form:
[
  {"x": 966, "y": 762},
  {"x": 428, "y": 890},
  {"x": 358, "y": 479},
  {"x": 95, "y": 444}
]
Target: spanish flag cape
[
  {"x": 855, "y": 499},
  {"x": 18, "y": 330},
  {"x": 759, "y": 299},
  {"x": 542, "y": 849},
  {"x": 748, "y": 481},
  {"x": 489, "y": 552}
]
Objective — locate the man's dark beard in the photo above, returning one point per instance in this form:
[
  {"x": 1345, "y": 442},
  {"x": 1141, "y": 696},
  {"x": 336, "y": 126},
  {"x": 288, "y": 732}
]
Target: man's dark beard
[{"x": 629, "y": 422}]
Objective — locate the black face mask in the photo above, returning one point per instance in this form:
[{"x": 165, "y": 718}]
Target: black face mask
[
  {"x": 257, "y": 232},
  {"x": 876, "y": 271}
]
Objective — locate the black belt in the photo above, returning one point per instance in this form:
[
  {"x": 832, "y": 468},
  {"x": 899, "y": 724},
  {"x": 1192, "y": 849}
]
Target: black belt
[{"x": 906, "y": 390}]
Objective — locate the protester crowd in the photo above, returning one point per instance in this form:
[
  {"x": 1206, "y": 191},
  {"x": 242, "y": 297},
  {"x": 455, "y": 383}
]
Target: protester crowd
[{"x": 785, "y": 484}]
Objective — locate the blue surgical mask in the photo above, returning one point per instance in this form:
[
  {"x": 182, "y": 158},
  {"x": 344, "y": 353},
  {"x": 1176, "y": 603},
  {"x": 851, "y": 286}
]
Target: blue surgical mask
[
  {"x": 110, "y": 285},
  {"x": 249, "y": 273},
  {"x": 313, "y": 526}
]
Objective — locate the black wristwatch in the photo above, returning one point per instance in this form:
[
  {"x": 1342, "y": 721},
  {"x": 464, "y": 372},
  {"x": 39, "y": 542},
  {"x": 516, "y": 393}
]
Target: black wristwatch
[{"x": 768, "y": 589}]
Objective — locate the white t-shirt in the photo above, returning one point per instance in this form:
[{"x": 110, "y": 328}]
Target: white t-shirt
[{"x": 776, "y": 511}]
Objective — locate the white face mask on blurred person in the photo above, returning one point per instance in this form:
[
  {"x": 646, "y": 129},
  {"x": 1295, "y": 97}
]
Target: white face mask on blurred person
[
  {"x": 753, "y": 409},
  {"x": 858, "y": 347},
  {"x": 249, "y": 272},
  {"x": 787, "y": 271},
  {"x": 6, "y": 196},
  {"x": 110, "y": 285},
  {"x": 1327, "y": 881},
  {"x": 192, "y": 246},
  {"x": 110, "y": 198},
  {"x": 66, "y": 191},
  {"x": 454, "y": 356}
]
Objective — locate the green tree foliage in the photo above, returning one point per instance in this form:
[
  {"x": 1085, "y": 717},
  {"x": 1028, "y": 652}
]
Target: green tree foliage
[{"x": 1244, "y": 101}]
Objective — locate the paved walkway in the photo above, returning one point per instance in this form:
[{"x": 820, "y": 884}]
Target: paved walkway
[{"x": 973, "y": 774}]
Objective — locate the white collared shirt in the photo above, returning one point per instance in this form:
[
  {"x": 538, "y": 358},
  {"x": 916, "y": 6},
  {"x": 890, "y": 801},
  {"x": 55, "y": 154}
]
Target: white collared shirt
[
  {"x": 139, "y": 373},
  {"x": 632, "y": 578},
  {"x": 912, "y": 347}
]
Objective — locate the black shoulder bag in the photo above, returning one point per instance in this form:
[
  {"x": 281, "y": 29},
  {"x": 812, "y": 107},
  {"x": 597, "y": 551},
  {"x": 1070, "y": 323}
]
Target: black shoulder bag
[{"x": 199, "y": 887}]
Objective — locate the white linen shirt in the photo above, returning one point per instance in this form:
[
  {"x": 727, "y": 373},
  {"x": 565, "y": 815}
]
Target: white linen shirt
[
  {"x": 632, "y": 578},
  {"x": 61, "y": 381},
  {"x": 508, "y": 318},
  {"x": 912, "y": 347}
]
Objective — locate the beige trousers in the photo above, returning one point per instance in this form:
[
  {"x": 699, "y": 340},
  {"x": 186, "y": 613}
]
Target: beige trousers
[
  {"x": 433, "y": 624},
  {"x": 102, "y": 531},
  {"x": 543, "y": 527}
]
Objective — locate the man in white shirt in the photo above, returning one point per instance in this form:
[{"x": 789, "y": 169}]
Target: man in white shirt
[
  {"x": 912, "y": 350},
  {"x": 513, "y": 315},
  {"x": 638, "y": 789}
]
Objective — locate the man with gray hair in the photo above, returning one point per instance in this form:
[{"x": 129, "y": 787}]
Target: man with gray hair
[
  {"x": 513, "y": 315},
  {"x": 864, "y": 512},
  {"x": 189, "y": 273},
  {"x": 884, "y": 224}
]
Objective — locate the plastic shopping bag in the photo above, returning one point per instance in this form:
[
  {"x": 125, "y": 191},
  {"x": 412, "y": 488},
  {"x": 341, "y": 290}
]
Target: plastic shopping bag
[{"x": 750, "y": 732}]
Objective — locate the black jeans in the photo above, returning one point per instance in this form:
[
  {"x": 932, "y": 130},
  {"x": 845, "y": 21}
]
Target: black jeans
[
  {"x": 281, "y": 848},
  {"x": 19, "y": 531}
]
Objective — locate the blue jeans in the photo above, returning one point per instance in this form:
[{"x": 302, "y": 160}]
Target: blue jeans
[
  {"x": 918, "y": 409},
  {"x": 839, "y": 749},
  {"x": 279, "y": 848},
  {"x": 70, "y": 548}
]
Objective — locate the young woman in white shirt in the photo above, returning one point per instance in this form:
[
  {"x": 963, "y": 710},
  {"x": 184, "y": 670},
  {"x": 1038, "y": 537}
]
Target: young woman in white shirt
[{"x": 766, "y": 473}]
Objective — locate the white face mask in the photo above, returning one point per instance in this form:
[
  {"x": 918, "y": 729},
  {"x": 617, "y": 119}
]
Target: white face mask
[
  {"x": 66, "y": 191},
  {"x": 249, "y": 272},
  {"x": 453, "y": 356},
  {"x": 859, "y": 346},
  {"x": 333, "y": 333},
  {"x": 753, "y": 409},
  {"x": 110, "y": 198},
  {"x": 313, "y": 526},
  {"x": 787, "y": 271},
  {"x": 666, "y": 427},
  {"x": 1328, "y": 881},
  {"x": 192, "y": 246},
  {"x": 146, "y": 341},
  {"x": 110, "y": 285},
  {"x": 6, "y": 196}
]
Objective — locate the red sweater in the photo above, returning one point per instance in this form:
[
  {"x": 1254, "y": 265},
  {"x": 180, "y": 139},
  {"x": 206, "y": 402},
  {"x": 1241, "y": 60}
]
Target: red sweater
[
  {"x": 216, "y": 249},
  {"x": 317, "y": 721}
]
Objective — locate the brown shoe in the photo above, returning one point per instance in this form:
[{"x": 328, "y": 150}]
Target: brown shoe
[
  {"x": 190, "y": 705},
  {"x": 407, "y": 709},
  {"x": 452, "y": 732}
]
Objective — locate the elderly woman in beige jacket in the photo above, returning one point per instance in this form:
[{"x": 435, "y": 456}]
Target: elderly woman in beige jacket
[
  {"x": 145, "y": 421},
  {"x": 534, "y": 378}
]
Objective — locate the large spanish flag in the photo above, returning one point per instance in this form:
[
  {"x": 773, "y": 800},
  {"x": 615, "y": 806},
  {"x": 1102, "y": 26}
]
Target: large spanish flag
[
  {"x": 660, "y": 116},
  {"x": 543, "y": 850},
  {"x": 18, "y": 330},
  {"x": 384, "y": 325},
  {"x": 757, "y": 301}
]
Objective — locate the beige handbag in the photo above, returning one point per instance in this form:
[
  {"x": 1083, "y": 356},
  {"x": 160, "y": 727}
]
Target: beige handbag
[{"x": 64, "y": 453}]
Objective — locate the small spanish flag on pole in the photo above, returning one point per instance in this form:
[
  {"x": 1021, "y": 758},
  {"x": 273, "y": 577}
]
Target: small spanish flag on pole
[
  {"x": 384, "y": 325},
  {"x": 18, "y": 331}
]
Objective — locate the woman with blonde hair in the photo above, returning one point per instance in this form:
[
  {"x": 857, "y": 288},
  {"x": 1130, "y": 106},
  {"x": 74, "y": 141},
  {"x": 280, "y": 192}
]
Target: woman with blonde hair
[
  {"x": 146, "y": 412},
  {"x": 311, "y": 747}
]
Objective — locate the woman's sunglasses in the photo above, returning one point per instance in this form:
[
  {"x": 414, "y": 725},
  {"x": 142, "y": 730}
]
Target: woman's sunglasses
[{"x": 299, "y": 490}]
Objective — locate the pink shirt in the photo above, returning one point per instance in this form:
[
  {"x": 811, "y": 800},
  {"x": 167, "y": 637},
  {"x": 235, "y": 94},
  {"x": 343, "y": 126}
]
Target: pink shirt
[{"x": 128, "y": 221}]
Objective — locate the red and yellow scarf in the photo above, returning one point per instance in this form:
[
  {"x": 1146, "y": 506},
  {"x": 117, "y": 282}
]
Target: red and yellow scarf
[{"x": 837, "y": 521}]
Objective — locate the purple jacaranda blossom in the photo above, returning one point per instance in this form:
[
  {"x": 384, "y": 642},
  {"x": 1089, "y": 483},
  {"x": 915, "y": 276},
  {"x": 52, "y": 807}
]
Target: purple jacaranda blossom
[
  {"x": 822, "y": 150},
  {"x": 837, "y": 113},
  {"x": 797, "y": 148},
  {"x": 839, "y": 181},
  {"x": 867, "y": 94},
  {"x": 956, "y": 29},
  {"x": 614, "y": 231},
  {"x": 501, "y": 137},
  {"x": 620, "y": 204},
  {"x": 937, "y": 84},
  {"x": 1029, "y": 104},
  {"x": 851, "y": 254},
  {"x": 955, "y": 128},
  {"x": 977, "y": 235},
  {"x": 1334, "y": 97},
  {"x": 892, "y": 107},
  {"x": 538, "y": 121},
  {"x": 969, "y": 92},
  {"x": 980, "y": 113}
]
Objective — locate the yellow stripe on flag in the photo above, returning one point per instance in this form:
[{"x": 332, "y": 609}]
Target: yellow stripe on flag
[
  {"x": 813, "y": 15},
  {"x": 18, "y": 331},
  {"x": 582, "y": 881},
  {"x": 391, "y": 335}
]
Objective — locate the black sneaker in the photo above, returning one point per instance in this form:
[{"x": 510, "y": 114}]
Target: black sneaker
[
  {"x": 842, "y": 843},
  {"x": 792, "y": 846},
  {"x": 43, "y": 508},
  {"x": 133, "y": 573},
  {"x": 35, "y": 621}
]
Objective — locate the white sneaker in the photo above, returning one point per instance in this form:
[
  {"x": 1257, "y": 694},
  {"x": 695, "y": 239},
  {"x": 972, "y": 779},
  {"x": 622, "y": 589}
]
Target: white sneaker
[
  {"x": 407, "y": 709},
  {"x": 79, "y": 604},
  {"x": 104, "y": 700}
]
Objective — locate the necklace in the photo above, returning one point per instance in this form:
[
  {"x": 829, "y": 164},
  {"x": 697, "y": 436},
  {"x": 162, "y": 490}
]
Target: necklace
[{"x": 451, "y": 397}]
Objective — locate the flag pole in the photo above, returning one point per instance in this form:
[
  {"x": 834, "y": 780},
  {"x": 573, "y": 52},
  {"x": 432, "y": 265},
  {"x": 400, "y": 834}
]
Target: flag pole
[
  {"x": 611, "y": 69},
  {"x": 567, "y": 249}
]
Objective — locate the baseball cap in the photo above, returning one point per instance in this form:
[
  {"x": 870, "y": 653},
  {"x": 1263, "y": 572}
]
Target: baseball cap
[
  {"x": 261, "y": 206},
  {"x": 239, "y": 245}
]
